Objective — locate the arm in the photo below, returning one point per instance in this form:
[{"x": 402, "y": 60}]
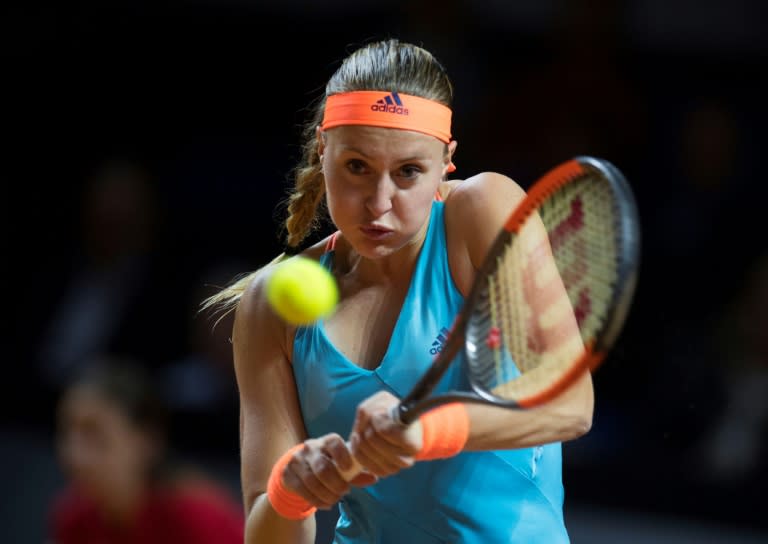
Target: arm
[
  {"x": 271, "y": 424},
  {"x": 475, "y": 212},
  {"x": 270, "y": 420}
]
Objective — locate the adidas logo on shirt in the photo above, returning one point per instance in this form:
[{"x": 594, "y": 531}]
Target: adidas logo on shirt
[
  {"x": 437, "y": 345},
  {"x": 391, "y": 103}
]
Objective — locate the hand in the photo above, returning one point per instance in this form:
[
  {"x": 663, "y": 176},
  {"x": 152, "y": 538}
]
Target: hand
[
  {"x": 382, "y": 445},
  {"x": 313, "y": 473}
]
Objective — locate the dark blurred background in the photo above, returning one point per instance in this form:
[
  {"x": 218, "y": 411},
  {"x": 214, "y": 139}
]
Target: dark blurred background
[{"x": 147, "y": 148}]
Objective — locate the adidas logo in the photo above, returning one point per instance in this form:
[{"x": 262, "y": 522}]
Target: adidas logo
[
  {"x": 437, "y": 345},
  {"x": 390, "y": 104}
]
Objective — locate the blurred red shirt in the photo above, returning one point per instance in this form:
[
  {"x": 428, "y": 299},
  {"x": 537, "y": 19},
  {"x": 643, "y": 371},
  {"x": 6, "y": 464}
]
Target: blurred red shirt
[{"x": 190, "y": 514}]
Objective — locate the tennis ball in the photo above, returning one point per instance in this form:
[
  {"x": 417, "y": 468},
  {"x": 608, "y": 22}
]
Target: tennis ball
[{"x": 301, "y": 291}]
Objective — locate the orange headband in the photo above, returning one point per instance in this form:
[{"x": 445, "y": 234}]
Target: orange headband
[{"x": 388, "y": 110}]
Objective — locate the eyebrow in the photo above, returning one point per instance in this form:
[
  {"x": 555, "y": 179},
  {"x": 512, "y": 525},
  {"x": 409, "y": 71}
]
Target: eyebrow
[{"x": 421, "y": 157}]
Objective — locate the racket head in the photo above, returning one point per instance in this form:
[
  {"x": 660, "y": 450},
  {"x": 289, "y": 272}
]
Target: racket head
[{"x": 535, "y": 328}]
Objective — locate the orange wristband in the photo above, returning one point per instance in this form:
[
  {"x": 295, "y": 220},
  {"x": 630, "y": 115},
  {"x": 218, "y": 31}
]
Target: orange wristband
[
  {"x": 445, "y": 431},
  {"x": 285, "y": 502}
]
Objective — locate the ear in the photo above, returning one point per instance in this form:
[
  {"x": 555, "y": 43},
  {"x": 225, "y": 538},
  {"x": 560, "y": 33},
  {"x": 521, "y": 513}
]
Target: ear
[
  {"x": 320, "y": 137},
  {"x": 449, "y": 166}
]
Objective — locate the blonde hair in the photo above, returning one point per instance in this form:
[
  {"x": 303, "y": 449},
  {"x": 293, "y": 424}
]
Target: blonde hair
[{"x": 387, "y": 65}]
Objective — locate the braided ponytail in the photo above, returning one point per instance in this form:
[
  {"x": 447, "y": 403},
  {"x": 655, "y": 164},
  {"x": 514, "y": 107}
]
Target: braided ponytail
[{"x": 303, "y": 203}]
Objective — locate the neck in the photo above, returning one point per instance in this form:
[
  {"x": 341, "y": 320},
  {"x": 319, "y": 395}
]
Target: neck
[
  {"x": 394, "y": 269},
  {"x": 123, "y": 509}
]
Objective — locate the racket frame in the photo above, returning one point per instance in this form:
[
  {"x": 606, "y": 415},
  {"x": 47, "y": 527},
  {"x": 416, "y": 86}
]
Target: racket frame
[{"x": 418, "y": 401}]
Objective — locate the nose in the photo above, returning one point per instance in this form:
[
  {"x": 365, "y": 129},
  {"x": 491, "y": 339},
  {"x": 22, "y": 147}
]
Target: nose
[{"x": 379, "y": 201}]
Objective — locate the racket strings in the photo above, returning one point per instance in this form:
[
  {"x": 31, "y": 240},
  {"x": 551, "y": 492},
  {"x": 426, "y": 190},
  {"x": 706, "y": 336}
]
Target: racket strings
[
  {"x": 549, "y": 295},
  {"x": 587, "y": 255}
]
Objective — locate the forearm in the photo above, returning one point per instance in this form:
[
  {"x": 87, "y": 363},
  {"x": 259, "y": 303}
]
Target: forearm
[
  {"x": 564, "y": 418},
  {"x": 263, "y": 524}
]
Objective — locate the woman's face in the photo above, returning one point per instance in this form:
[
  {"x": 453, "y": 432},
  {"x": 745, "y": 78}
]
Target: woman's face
[
  {"x": 380, "y": 184},
  {"x": 102, "y": 452}
]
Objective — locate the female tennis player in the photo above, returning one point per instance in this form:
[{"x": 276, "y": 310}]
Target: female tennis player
[{"x": 376, "y": 155}]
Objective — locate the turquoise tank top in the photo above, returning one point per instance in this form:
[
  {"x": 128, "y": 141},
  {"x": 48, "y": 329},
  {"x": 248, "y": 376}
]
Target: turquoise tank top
[{"x": 490, "y": 497}]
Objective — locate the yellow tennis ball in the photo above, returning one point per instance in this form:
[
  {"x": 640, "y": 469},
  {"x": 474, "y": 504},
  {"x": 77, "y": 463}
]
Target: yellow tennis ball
[{"x": 301, "y": 291}]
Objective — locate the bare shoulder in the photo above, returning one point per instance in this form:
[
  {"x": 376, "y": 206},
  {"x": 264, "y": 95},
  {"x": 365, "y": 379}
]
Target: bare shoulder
[
  {"x": 475, "y": 211},
  {"x": 484, "y": 191},
  {"x": 255, "y": 321},
  {"x": 317, "y": 250},
  {"x": 446, "y": 187},
  {"x": 482, "y": 202},
  {"x": 256, "y": 326}
]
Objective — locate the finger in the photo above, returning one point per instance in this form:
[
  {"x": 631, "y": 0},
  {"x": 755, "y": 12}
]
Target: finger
[
  {"x": 300, "y": 477},
  {"x": 336, "y": 448},
  {"x": 361, "y": 418},
  {"x": 364, "y": 479},
  {"x": 327, "y": 482},
  {"x": 375, "y": 403},
  {"x": 394, "y": 434},
  {"x": 389, "y": 442},
  {"x": 379, "y": 466},
  {"x": 377, "y": 455}
]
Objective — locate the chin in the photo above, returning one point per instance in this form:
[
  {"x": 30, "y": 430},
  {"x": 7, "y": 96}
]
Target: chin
[{"x": 373, "y": 250}]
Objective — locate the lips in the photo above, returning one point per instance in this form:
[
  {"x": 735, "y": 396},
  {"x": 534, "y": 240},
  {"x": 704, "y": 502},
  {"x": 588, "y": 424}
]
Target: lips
[{"x": 375, "y": 232}]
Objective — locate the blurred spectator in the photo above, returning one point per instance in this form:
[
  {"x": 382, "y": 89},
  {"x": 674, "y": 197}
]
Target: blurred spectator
[
  {"x": 699, "y": 248},
  {"x": 109, "y": 298},
  {"x": 705, "y": 188},
  {"x": 734, "y": 447},
  {"x": 123, "y": 485}
]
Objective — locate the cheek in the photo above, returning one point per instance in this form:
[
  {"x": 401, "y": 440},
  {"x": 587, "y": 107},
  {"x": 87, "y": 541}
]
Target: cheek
[
  {"x": 342, "y": 204},
  {"x": 128, "y": 455}
]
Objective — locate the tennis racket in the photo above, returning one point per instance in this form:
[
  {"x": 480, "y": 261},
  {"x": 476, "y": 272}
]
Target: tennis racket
[{"x": 551, "y": 297}]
